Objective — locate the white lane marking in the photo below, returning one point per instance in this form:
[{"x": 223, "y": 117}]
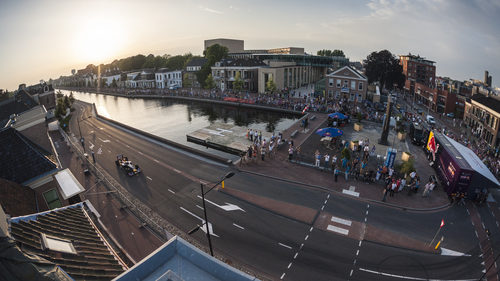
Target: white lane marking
[
  {"x": 109, "y": 151},
  {"x": 127, "y": 145},
  {"x": 349, "y": 192},
  {"x": 200, "y": 207},
  {"x": 203, "y": 227},
  {"x": 311, "y": 229},
  {"x": 156, "y": 161},
  {"x": 99, "y": 151},
  {"x": 171, "y": 191},
  {"x": 296, "y": 254},
  {"x": 307, "y": 237},
  {"x": 286, "y": 246},
  {"x": 103, "y": 140},
  {"x": 359, "y": 245},
  {"x": 357, "y": 252},
  {"x": 448, "y": 252},
  {"x": 325, "y": 201},
  {"x": 322, "y": 207},
  {"x": 228, "y": 207},
  {"x": 238, "y": 226},
  {"x": 352, "y": 270},
  {"x": 406, "y": 277},
  {"x": 328, "y": 196},
  {"x": 91, "y": 146},
  {"x": 289, "y": 265},
  {"x": 282, "y": 275},
  {"x": 149, "y": 178},
  {"x": 101, "y": 128},
  {"x": 338, "y": 229},
  {"x": 341, "y": 221},
  {"x": 177, "y": 171},
  {"x": 301, "y": 245},
  {"x": 140, "y": 153},
  {"x": 366, "y": 212}
]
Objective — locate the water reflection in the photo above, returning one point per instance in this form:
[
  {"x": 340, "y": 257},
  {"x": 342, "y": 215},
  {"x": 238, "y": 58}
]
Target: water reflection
[{"x": 174, "y": 119}]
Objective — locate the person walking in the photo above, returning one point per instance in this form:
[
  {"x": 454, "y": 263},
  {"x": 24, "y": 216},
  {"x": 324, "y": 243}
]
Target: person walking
[
  {"x": 347, "y": 170},
  {"x": 263, "y": 152},
  {"x": 393, "y": 187},
  {"x": 290, "y": 153},
  {"x": 250, "y": 134},
  {"x": 336, "y": 173},
  {"x": 387, "y": 188}
]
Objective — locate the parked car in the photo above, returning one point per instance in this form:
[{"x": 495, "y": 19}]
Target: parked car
[
  {"x": 420, "y": 111},
  {"x": 451, "y": 115}
]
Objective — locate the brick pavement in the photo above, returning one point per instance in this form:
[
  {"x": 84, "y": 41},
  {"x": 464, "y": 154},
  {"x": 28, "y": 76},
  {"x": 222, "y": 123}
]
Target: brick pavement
[{"x": 305, "y": 173}]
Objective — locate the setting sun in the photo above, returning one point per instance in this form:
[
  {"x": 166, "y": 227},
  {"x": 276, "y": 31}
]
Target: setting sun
[{"x": 98, "y": 40}]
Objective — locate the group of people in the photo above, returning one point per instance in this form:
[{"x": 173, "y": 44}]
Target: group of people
[
  {"x": 261, "y": 146},
  {"x": 395, "y": 184}
]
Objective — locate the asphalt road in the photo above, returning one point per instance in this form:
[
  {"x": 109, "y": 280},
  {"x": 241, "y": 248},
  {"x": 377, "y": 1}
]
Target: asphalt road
[{"x": 280, "y": 229}]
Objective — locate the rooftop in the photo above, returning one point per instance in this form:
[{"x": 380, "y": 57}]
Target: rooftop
[
  {"x": 69, "y": 238},
  {"x": 197, "y": 62},
  {"x": 490, "y": 102},
  {"x": 21, "y": 161},
  {"x": 179, "y": 260}
]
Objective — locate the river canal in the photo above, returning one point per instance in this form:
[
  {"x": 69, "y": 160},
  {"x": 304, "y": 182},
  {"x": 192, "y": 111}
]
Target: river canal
[{"x": 174, "y": 119}]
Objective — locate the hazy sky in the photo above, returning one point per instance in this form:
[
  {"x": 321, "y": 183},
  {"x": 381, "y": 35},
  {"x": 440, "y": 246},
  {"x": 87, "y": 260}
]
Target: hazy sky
[{"x": 46, "y": 39}]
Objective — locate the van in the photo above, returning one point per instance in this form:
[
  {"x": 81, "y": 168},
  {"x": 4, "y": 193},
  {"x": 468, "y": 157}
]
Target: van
[
  {"x": 417, "y": 134},
  {"x": 430, "y": 120}
]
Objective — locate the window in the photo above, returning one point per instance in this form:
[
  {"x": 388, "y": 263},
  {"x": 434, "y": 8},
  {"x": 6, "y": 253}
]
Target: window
[
  {"x": 330, "y": 82},
  {"x": 52, "y": 199},
  {"x": 338, "y": 83},
  {"x": 353, "y": 85},
  {"x": 330, "y": 93},
  {"x": 57, "y": 244},
  {"x": 360, "y": 86},
  {"x": 337, "y": 95},
  {"x": 346, "y": 84}
]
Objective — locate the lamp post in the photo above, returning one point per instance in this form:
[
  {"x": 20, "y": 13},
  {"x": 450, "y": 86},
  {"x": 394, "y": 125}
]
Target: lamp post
[
  {"x": 203, "y": 193},
  {"x": 82, "y": 140}
]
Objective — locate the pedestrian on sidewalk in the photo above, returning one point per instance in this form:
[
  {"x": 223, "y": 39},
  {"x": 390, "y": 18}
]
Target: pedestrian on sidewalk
[
  {"x": 385, "y": 191},
  {"x": 317, "y": 157},
  {"x": 250, "y": 134},
  {"x": 260, "y": 136},
  {"x": 290, "y": 153},
  {"x": 263, "y": 152},
  {"x": 347, "y": 170},
  {"x": 334, "y": 160},
  {"x": 327, "y": 162},
  {"x": 428, "y": 189},
  {"x": 394, "y": 185},
  {"x": 336, "y": 173},
  {"x": 255, "y": 135}
]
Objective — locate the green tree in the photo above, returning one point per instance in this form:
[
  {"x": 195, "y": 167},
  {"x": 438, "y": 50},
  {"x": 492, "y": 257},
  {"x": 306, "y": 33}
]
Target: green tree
[
  {"x": 149, "y": 62},
  {"x": 178, "y": 62},
  {"x": 60, "y": 109},
  {"x": 213, "y": 54},
  {"x": 71, "y": 97},
  {"x": 209, "y": 82},
  {"x": 330, "y": 53},
  {"x": 66, "y": 102},
  {"x": 270, "y": 86},
  {"x": 384, "y": 67},
  {"x": 186, "y": 82},
  {"x": 238, "y": 82},
  {"x": 59, "y": 94},
  {"x": 346, "y": 154}
]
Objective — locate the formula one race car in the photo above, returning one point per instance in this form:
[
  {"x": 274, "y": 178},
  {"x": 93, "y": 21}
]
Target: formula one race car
[{"x": 127, "y": 166}]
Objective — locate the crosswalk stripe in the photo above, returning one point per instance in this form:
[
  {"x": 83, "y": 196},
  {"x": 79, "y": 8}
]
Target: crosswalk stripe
[
  {"x": 341, "y": 221},
  {"x": 338, "y": 229}
]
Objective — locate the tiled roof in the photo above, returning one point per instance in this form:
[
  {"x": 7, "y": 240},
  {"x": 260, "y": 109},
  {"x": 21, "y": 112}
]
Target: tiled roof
[
  {"x": 17, "y": 200},
  {"x": 197, "y": 62},
  {"x": 20, "y": 161},
  {"x": 93, "y": 260},
  {"x": 20, "y": 103},
  {"x": 489, "y": 102}
]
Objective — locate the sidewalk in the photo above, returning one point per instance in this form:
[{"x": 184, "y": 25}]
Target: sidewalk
[
  {"x": 121, "y": 224},
  {"x": 303, "y": 172}
]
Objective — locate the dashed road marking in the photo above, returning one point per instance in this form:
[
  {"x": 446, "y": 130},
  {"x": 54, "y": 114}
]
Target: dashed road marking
[
  {"x": 156, "y": 161},
  {"x": 238, "y": 226},
  {"x": 286, "y": 246},
  {"x": 307, "y": 237},
  {"x": 171, "y": 191},
  {"x": 199, "y": 207},
  {"x": 140, "y": 153},
  {"x": 296, "y": 254},
  {"x": 149, "y": 178},
  {"x": 311, "y": 229},
  {"x": 282, "y": 275}
]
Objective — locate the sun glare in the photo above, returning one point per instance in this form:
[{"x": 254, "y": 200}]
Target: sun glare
[{"x": 97, "y": 41}]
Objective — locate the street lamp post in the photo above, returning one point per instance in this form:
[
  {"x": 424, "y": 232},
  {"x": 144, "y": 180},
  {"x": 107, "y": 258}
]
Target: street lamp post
[
  {"x": 203, "y": 193},
  {"x": 82, "y": 140}
]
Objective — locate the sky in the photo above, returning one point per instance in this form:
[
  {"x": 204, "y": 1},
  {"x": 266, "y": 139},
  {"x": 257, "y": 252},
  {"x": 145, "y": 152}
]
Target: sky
[{"x": 46, "y": 39}]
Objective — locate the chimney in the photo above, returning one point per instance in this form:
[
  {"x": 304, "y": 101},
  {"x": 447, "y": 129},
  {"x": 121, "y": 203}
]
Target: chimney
[{"x": 486, "y": 75}]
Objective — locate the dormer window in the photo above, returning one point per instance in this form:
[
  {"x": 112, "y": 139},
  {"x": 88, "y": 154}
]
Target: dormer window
[{"x": 57, "y": 244}]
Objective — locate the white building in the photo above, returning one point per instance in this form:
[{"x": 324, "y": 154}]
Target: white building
[
  {"x": 130, "y": 82},
  {"x": 108, "y": 78},
  {"x": 168, "y": 79}
]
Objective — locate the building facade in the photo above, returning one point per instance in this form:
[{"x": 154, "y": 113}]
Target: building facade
[
  {"x": 192, "y": 67},
  {"x": 225, "y": 72},
  {"x": 346, "y": 83},
  {"x": 233, "y": 45},
  {"x": 482, "y": 115}
]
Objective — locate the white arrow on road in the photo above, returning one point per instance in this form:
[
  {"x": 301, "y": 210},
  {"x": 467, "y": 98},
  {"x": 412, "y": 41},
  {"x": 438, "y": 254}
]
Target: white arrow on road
[
  {"x": 228, "y": 207},
  {"x": 204, "y": 225}
]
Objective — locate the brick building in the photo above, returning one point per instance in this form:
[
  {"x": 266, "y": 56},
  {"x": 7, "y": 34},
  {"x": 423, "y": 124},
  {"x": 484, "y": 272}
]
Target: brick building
[
  {"x": 482, "y": 115},
  {"x": 346, "y": 83}
]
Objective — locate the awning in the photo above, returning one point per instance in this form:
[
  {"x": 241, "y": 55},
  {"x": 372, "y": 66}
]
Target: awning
[{"x": 68, "y": 183}]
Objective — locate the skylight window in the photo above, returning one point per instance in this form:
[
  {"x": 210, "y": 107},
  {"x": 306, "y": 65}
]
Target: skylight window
[{"x": 58, "y": 244}]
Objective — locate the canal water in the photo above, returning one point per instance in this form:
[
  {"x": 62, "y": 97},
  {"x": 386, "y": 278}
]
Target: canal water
[{"x": 174, "y": 119}]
